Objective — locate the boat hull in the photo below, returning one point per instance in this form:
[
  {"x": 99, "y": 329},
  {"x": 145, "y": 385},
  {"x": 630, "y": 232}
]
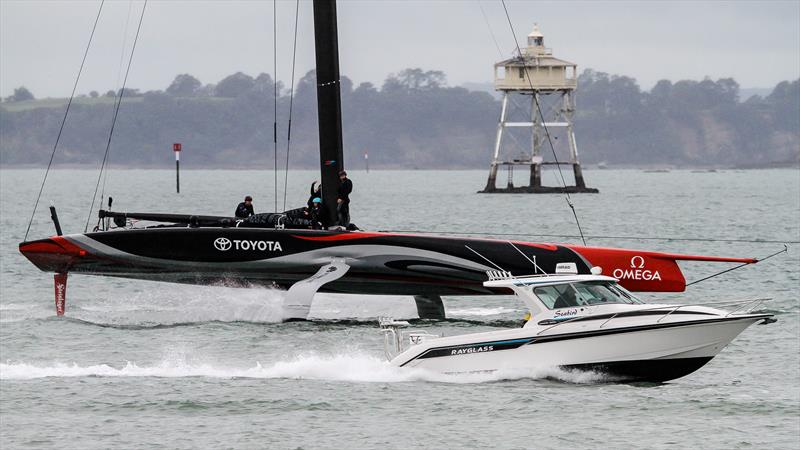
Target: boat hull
[
  {"x": 651, "y": 352},
  {"x": 649, "y": 370},
  {"x": 380, "y": 263}
]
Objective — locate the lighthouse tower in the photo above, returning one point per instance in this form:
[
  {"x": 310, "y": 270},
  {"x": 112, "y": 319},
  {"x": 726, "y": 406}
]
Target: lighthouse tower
[{"x": 550, "y": 82}]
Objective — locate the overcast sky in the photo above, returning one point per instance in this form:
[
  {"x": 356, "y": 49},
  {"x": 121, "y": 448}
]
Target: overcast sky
[{"x": 42, "y": 42}]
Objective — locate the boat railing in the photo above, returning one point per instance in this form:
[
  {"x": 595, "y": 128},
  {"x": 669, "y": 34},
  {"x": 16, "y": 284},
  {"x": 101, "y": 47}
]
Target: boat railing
[
  {"x": 501, "y": 275},
  {"x": 391, "y": 330},
  {"x": 744, "y": 307}
]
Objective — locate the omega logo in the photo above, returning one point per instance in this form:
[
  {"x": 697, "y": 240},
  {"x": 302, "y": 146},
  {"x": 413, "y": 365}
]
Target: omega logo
[
  {"x": 640, "y": 261},
  {"x": 637, "y": 271}
]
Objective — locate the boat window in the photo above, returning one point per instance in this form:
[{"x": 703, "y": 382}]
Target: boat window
[
  {"x": 558, "y": 296},
  {"x": 625, "y": 293},
  {"x": 599, "y": 292}
]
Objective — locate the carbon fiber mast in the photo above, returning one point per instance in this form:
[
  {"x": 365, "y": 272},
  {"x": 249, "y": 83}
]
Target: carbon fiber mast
[{"x": 329, "y": 101}]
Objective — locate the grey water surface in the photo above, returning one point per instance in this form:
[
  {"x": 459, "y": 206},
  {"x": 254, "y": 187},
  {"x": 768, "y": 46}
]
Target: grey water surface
[{"x": 144, "y": 364}]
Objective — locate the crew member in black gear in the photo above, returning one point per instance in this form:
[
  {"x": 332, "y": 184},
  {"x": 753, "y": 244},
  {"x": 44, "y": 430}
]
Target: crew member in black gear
[
  {"x": 316, "y": 191},
  {"x": 245, "y": 209},
  {"x": 318, "y": 215},
  {"x": 343, "y": 199}
]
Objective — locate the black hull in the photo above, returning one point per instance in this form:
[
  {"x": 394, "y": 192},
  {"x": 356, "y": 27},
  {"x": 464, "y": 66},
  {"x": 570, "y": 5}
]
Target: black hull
[
  {"x": 380, "y": 263},
  {"x": 650, "y": 370}
]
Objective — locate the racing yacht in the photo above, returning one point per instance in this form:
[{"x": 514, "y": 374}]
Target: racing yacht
[
  {"x": 279, "y": 250},
  {"x": 582, "y": 322}
]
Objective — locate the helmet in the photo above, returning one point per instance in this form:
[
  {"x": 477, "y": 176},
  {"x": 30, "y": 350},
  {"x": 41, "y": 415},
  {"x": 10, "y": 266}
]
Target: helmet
[{"x": 316, "y": 200}]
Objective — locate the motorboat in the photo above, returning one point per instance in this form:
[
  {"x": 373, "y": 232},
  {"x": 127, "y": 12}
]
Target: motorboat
[{"x": 584, "y": 322}]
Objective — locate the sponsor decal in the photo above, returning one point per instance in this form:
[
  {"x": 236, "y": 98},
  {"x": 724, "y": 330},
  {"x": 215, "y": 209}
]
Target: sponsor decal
[
  {"x": 61, "y": 296},
  {"x": 568, "y": 267},
  {"x": 224, "y": 244},
  {"x": 566, "y": 314},
  {"x": 637, "y": 271},
  {"x": 468, "y": 350}
]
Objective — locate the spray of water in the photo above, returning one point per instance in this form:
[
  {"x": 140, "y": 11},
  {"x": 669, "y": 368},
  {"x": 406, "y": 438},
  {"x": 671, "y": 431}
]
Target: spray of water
[{"x": 351, "y": 367}]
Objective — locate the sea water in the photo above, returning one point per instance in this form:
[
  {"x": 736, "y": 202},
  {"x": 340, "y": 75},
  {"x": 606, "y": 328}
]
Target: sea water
[{"x": 145, "y": 364}]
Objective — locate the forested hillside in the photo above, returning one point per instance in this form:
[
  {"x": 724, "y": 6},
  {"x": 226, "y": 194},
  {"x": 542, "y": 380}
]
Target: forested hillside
[{"x": 414, "y": 120}]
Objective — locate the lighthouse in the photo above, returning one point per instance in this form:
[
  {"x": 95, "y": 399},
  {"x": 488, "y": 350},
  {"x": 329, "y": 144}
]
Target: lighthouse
[{"x": 541, "y": 90}]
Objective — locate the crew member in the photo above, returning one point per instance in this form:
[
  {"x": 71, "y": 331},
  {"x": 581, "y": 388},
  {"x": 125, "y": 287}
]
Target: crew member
[
  {"x": 343, "y": 199},
  {"x": 245, "y": 209},
  {"x": 316, "y": 191},
  {"x": 318, "y": 215}
]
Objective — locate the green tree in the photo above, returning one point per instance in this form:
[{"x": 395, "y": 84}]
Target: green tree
[
  {"x": 235, "y": 85},
  {"x": 415, "y": 79},
  {"x": 20, "y": 94},
  {"x": 184, "y": 85}
]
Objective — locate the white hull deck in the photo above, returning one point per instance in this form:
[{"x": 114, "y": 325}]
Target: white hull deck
[{"x": 670, "y": 349}]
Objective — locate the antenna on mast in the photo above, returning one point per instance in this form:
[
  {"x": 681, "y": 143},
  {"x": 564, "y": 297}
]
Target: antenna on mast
[{"x": 536, "y": 267}]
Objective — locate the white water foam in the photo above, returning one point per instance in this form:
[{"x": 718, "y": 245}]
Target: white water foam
[
  {"x": 16, "y": 306},
  {"x": 171, "y": 304},
  {"x": 482, "y": 311},
  {"x": 344, "y": 367}
]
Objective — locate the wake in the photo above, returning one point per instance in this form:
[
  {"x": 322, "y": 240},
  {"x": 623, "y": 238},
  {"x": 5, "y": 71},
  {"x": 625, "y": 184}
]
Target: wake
[{"x": 358, "y": 368}]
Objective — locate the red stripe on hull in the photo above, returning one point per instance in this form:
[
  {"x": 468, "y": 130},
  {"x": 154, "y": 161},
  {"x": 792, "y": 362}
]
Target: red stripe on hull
[{"x": 55, "y": 254}]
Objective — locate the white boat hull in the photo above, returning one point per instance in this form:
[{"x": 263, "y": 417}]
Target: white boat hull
[{"x": 651, "y": 352}]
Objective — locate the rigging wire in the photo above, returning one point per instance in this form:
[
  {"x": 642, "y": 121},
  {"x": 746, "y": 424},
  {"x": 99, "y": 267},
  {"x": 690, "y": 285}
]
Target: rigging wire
[
  {"x": 275, "y": 95},
  {"x": 510, "y": 97},
  {"x": 64, "y": 119},
  {"x": 114, "y": 117},
  {"x": 630, "y": 238},
  {"x": 546, "y": 131},
  {"x": 486, "y": 20},
  {"x": 124, "y": 42},
  {"x": 758, "y": 260},
  {"x": 119, "y": 76},
  {"x": 291, "y": 104}
]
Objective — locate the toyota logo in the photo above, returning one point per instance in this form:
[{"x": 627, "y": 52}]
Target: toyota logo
[{"x": 222, "y": 244}]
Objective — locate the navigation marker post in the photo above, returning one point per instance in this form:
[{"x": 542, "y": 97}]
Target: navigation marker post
[{"x": 176, "y": 148}]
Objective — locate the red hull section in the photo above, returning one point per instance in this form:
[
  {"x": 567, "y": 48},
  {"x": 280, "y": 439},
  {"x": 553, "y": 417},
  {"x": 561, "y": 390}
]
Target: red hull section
[
  {"x": 645, "y": 271},
  {"x": 60, "y": 284},
  {"x": 55, "y": 254}
]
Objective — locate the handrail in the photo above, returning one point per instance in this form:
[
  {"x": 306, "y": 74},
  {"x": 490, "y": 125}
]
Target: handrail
[
  {"x": 755, "y": 302},
  {"x": 667, "y": 314},
  {"x": 672, "y": 308}
]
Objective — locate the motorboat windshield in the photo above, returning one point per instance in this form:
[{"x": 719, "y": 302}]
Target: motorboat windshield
[{"x": 584, "y": 293}]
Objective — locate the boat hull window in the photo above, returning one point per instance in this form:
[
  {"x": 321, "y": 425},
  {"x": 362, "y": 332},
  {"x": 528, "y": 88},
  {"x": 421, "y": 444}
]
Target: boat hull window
[
  {"x": 558, "y": 296},
  {"x": 601, "y": 292},
  {"x": 583, "y": 294}
]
